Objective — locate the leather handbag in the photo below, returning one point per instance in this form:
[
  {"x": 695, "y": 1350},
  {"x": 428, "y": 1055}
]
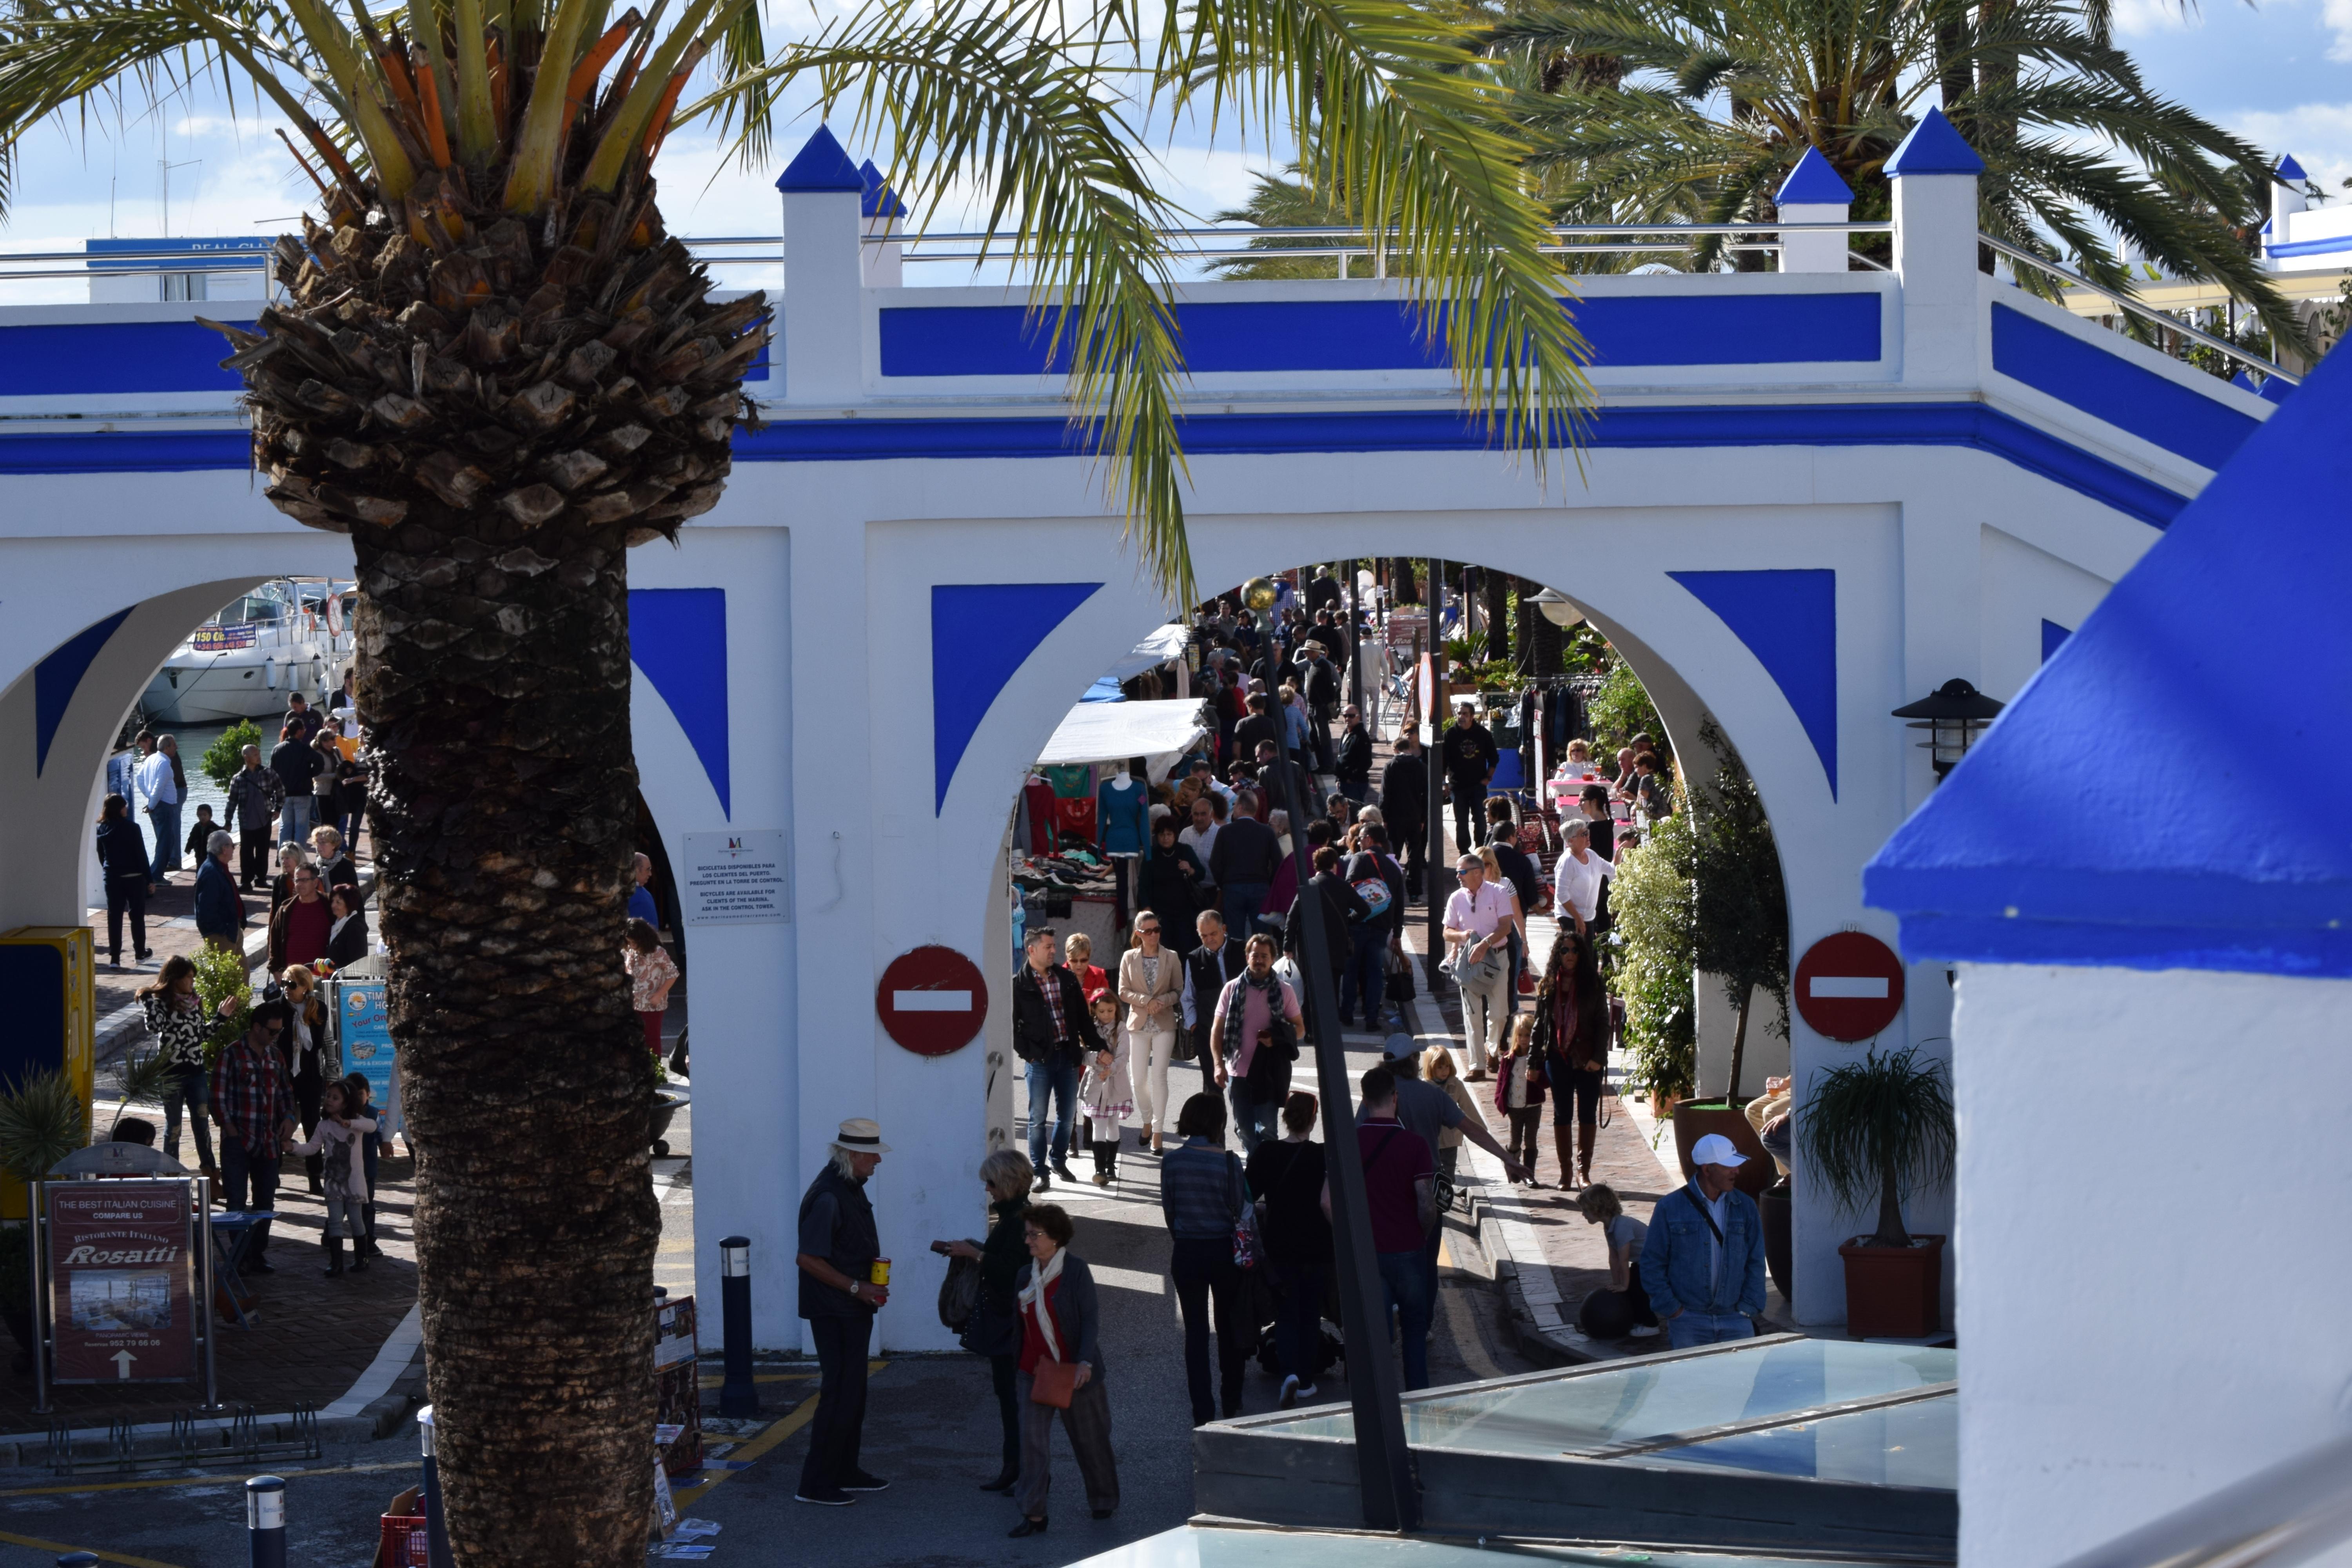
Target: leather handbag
[{"x": 1053, "y": 1382}]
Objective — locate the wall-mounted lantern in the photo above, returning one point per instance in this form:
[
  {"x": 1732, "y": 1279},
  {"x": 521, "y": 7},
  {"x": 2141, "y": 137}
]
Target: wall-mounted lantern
[{"x": 1954, "y": 715}]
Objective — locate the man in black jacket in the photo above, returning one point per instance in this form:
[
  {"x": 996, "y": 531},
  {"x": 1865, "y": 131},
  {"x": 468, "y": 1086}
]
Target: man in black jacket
[
  {"x": 1321, "y": 689},
  {"x": 1053, "y": 1034},
  {"x": 1207, "y": 967},
  {"x": 1379, "y": 930},
  {"x": 1259, "y": 726},
  {"x": 1354, "y": 761},
  {"x": 838, "y": 1245},
  {"x": 1468, "y": 750},
  {"x": 295, "y": 764},
  {"x": 1343, "y": 908},
  {"x": 1242, "y": 863},
  {"x": 1404, "y": 805},
  {"x": 1525, "y": 878}
]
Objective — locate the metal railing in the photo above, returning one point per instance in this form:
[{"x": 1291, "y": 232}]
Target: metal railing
[
  {"x": 2149, "y": 313},
  {"x": 2275, "y": 1518}
]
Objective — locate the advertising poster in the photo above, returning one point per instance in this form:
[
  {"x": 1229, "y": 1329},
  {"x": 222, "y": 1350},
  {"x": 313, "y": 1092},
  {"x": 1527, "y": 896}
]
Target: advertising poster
[
  {"x": 364, "y": 1029},
  {"x": 122, "y": 1282}
]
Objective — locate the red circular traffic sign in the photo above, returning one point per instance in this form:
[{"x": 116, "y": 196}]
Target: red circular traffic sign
[
  {"x": 1849, "y": 985},
  {"x": 933, "y": 1000}
]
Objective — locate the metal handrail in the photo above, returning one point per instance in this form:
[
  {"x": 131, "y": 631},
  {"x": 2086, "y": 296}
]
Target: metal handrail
[
  {"x": 2275, "y": 1518},
  {"x": 1597, "y": 230},
  {"x": 2149, "y": 312}
]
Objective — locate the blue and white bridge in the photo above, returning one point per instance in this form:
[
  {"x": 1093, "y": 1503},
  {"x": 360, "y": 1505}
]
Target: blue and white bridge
[{"x": 1809, "y": 495}]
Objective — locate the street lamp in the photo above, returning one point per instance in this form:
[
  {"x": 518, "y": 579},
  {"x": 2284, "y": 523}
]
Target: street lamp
[
  {"x": 1954, "y": 714},
  {"x": 1557, "y": 609}
]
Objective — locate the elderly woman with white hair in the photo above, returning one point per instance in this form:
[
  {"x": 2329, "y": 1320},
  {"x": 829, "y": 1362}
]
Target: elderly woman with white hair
[
  {"x": 994, "y": 1328},
  {"x": 842, "y": 1283}
]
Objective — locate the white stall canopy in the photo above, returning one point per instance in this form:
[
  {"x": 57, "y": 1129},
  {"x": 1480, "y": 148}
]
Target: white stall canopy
[
  {"x": 1159, "y": 732},
  {"x": 1153, "y": 651}
]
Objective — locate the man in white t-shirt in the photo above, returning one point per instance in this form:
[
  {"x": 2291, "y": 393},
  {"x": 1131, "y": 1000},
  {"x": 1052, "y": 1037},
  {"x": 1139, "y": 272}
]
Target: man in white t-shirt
[
  {"x": 1478, "y": 925},
  {"x": 1576, "y": 880},
  {"x": 158, "y": 788}
]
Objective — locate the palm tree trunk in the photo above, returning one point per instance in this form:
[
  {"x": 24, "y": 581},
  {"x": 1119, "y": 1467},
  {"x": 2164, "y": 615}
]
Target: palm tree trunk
[
  {"x": 1498, "y": 613},
  {"x": 1543, "y": 645},
  {"x": 497, "y": 680},
  {"x": 1405, "y": 588},
  {"x": 1738, "y": 1047},
  {"x": 1890, "y": 1231}
]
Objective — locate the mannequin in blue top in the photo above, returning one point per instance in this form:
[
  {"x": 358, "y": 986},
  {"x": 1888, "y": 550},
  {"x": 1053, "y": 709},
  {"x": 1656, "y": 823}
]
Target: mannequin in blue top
[{"x": 1123, "y": 815}]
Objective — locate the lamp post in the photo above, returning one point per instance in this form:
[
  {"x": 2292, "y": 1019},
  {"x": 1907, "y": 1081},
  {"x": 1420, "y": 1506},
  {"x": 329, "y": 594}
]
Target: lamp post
[
  {"x": 1556, "y": 608},
  {"x": 1954, "y": 715}
]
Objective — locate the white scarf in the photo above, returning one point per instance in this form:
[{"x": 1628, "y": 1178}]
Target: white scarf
[{"x": 1032, "y": 1295}]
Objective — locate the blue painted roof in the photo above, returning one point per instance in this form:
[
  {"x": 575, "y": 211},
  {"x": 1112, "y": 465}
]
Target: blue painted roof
[
  {"x": 1813, "y": 181},
  {"x": 2165, "y": 792},
  {"x": 820, "y": 165},
  {"x": 1934, "y": 148},
  {"x": 878, "y": 200},
  {"x": 2288, "y": 168}
]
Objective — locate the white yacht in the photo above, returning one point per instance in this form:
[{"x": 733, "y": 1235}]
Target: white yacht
[{"x": 290, "y": 634}]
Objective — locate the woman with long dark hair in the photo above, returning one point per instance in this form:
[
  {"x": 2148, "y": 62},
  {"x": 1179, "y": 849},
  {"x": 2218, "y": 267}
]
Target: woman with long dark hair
[
  {"x": 122, "y": 861},
  {"x": 1571, "y": 1037}
]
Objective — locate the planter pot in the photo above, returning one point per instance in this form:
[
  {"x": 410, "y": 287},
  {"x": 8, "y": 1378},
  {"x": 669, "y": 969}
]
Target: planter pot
[
  {"x": 1695, "y": 1119},
  {"x": 1893, "y": 1292},
  {"x": 665, "y": 1104},
  {"x": 1778, "y": 1248}
]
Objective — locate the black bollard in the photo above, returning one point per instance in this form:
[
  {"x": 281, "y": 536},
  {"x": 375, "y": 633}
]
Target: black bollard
[
  {"x": 737, "y": 1395},
  {"x": 436, "y": 1528},
  {"x": 264, "y": 1520}
]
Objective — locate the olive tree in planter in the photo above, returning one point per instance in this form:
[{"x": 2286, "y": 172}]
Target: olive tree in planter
[
  {"x": 1741, "y": 906},
  {"x": 1881, "y": 1128}
]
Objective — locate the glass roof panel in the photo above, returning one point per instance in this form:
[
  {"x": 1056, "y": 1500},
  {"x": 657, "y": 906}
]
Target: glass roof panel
[
  {"x": 1911, "y": 1445},
  {"x": 1581, "y": 1412},
  {"x": 1209, "y": 1546}
]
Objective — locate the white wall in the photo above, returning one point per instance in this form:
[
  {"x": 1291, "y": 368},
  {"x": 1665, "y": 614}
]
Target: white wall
[{"x": 2153, "y": 1293}]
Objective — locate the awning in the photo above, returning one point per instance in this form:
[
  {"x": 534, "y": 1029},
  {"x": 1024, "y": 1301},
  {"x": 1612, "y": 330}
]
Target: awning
[
  {"x": 1106, "y": 732},
  {"x": 1105, "y": 689},
  {"x": 1153, "y": 651}
]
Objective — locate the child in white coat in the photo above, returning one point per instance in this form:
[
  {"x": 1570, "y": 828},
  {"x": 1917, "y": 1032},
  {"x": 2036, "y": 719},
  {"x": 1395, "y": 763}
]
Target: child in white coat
[
  {"x": 344, "y": 1174},
  {"x": 1107, "y": 1094}
]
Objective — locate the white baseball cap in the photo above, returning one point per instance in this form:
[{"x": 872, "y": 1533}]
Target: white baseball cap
[{"x": 1715, "y": 1149}]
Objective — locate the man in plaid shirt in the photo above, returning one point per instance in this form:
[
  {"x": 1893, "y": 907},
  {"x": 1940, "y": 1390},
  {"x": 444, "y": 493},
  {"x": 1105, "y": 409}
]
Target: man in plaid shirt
[{"x": 253, "y": 1100}]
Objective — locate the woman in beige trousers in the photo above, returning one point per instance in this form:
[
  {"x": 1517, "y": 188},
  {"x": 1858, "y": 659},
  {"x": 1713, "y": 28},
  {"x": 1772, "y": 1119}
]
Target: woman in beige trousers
[{"x": 1150, "y": 980}]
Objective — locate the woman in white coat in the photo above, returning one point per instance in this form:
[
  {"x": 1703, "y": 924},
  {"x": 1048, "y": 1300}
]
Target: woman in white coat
[{"x": 1150, "y": 986}]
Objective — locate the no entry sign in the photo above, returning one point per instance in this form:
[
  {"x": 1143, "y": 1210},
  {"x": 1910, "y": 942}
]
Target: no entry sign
[
  {"x": 1849, "y": 985},
  {"x": 933, "y": 1000}
]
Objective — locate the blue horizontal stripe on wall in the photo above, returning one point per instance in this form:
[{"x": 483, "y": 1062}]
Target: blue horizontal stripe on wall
[
  {"x": 2107, "y": 386},
  {"x": 87, "y": 358},
  {"x": 1232, "y": 435},
  {"x": 1382, "y": 334}
]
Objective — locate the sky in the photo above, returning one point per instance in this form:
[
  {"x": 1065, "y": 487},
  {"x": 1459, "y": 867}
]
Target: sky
[{"x": 2279, "y": 73}]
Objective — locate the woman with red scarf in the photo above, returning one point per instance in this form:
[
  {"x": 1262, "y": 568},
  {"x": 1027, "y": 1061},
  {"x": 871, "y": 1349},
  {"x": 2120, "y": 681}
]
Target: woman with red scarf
[
  {"x": 1571, "y": 1039},
  {"x": 1060, "y": 1323}
]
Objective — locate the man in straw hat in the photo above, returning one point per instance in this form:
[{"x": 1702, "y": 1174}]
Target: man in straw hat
[{"x": 840, "y": 1292}]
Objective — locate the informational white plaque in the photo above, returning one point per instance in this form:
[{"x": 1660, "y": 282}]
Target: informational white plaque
[{"x": 735, "y": 879}]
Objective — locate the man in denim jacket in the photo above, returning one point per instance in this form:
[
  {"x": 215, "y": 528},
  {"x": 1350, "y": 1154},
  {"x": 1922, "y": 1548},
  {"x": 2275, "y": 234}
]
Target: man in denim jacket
[{"x": 1704, "y": 1266}]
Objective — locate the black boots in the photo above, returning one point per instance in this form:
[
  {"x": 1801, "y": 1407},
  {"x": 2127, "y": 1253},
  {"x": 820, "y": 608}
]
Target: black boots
[
  {"x": 361, "y": 1252},
  {"x": 334, "y": 1245}
]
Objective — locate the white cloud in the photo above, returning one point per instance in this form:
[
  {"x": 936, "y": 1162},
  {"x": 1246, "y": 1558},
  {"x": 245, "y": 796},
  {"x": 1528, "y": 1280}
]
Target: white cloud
[
  {"x": 2318, "y": 135},
  {"x": 2139, "y": 18}
]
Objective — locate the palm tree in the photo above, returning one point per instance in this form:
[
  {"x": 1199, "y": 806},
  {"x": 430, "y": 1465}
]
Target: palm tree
[
  {"x": 496, "y": 371},
  {"x": 1710, "y": 104}
]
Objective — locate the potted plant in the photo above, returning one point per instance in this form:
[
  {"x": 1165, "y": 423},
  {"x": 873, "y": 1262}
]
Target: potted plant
[
  {"x": 42, "y": 1121},
  {"x": 1880, "y": 1128}
]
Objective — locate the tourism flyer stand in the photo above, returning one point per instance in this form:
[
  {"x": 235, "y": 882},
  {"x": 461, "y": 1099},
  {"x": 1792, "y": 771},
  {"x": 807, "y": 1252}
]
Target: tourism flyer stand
[
  {"x": 356, "y": 997},
  {"x": 122, "y": 1272}
]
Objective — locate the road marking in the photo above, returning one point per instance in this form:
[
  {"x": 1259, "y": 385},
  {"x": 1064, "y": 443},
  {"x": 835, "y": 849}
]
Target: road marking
[
  {"x": 1130, "y": 1279},
  {"x": 802, "y": 1414},
  {"x": 60, "y": 1549},
  {"x": 221, "y": 1480},
  {"x": 391, "y": 1358}
]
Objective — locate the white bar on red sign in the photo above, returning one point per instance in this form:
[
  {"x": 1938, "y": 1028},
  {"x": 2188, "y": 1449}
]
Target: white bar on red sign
[
  {"x": 931, "y": 1001},
  {"x": 1847, "y": 986}
]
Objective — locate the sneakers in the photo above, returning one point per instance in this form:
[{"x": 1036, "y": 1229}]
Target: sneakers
[
  {"x": 1288, "y": 1400},
  {"x": 826, "y": 1497},
  {"x": 863, "y": 1482}
]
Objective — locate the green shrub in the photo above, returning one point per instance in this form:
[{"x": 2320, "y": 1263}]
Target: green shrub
[
  {"x": 42, "y": 1121},
  {"x": 1657, "y": 945},
  {"x": 220, "y": 974},
  {"x": 226, "y": 755},
  {"x": 1620, "y": 710}
]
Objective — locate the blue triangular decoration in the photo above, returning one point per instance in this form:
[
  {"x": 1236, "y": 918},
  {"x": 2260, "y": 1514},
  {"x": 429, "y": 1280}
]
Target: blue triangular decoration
[
  {"x": 1934, "y": 148},
  {"x": 2288, "y": 168},
  {"x": 2054, "y": 638},
  {"x": 679, "y": 638},
  {"x": 1789, "y": 621},
  {"x": 981, "y": 632},
  {"x": 57, "y": 677},
  {"x": 878, "y": 200},
  {"x": 1813, "y": 183},
  {"x": 820, "y": 165}
]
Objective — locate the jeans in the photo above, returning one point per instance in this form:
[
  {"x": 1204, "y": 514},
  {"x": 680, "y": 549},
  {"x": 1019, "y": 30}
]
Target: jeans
[
  {"x": 239, "y": 1169},
  {"x": 1299, "y": 1319},
  {"x": 1696, "y": 1328},
  {"x": 1410, "y": 1292},
  {"x": 252, "y": 847},
  {"x": 187, "y": 1086},
  {"x": 126, "y": 893},
  {"x": 166, "y": 819},
  {"x": 1057, "y": 1082},
  {"x": 1368, "y": 972},
  {"x": 1242, "y": 902},
  {"x": 1204, "y": 1274},
  {"x": 1255, "y": 1122},
  {"x": 840, "y": 1424},
  {"x": 344, "y": 1217},
  {"x": 295, "y": 820},
  {"x": 1469, "y": 812},
  {"x": 1486, "y": 1017}
]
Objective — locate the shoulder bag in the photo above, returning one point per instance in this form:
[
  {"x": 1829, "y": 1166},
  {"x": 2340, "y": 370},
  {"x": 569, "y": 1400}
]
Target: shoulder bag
[
  {"x": 1053, "y": 1382},
  {"x": 959, "y": 1293},
  {"x": 1245, "y": 1242}
]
